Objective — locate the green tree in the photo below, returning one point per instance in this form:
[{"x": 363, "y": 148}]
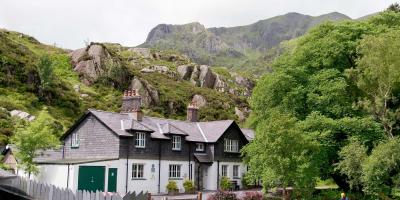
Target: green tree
[
  {"x": 395, "y": 7},
  {"x": 282, "y": 156},
  {"x": 31, "y": 138},
  {"x": 378, "y": 76},
  {"x": 46, "y": 73},
  {"x": 353, "y": 155},
  {"x": 381, "y": 169}
]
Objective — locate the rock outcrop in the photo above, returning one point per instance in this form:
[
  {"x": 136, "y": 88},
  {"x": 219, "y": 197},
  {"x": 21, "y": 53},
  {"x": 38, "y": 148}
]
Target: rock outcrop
[
  {"x": 149, "y": 94},
  {"x": 199, "y": 100},
  {"x": 89, "y": 62},
  {"x": 200, "y": 76},
  {"x": 144, "y": 52}
]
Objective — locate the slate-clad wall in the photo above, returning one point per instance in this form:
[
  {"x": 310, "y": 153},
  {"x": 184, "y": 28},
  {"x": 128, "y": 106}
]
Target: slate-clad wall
[
  {"x": 232, "y": 132},
  {"x": 152, "y": 149},
  {"x": 96, "y": 141}
]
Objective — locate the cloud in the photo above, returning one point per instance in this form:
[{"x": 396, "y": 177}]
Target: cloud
[{"x": 68, "y": 23}]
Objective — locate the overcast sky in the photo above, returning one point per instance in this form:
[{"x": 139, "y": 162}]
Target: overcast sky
[{"x": 68, "y": 23}]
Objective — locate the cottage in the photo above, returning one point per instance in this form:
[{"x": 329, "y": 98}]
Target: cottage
[{"x": 127, "y": 151}]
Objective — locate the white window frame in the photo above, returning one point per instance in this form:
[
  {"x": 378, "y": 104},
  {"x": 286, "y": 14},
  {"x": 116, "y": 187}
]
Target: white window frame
[
  {"x": 231, "y": 145},
  {"x": 174, "y": 171},
  {"x": 176, "y": 143},
  {"x": 137, "y": 171},
  {"x": 224, "y": 170},
  {"x": 199, "y": 146},
  {"x": 140, "y": 140},
  {"x": 75, "y": 140},
  {"x": 235, "y": 171}
]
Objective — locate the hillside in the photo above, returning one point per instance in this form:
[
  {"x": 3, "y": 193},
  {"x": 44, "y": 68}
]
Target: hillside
[
  {"x": 34, "y": 76},
  {"x": 239, "y": 47}
]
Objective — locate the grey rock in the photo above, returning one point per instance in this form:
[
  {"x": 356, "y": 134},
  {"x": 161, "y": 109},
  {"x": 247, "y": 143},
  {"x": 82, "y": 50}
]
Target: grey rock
[
  {"x": 84, "y": 95},
  {"x": 240, "y": 114},
  {"x": 144, "y": 52},
  {"x": 22, "y": 115},
  {"x": 194, "y": 77},
  {"x": 149, "y": 94},
  {"x": 185, "y": 71},
  {"x": 147, "y": 70},
  {"x": 199, "y": 100},
  {"x": 220, "y": 85},
  {"x": 206, "y": 77}
]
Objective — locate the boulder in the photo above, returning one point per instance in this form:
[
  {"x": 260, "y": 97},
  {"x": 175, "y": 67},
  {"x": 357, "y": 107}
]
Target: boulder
[
  {"x": 77, "y": 88},
  {"x": 84, "y": 95},
  {"x": 206, "y": 77},
  {"x": 194, "y": 77},
  {"x": 244, "y": 82},
  {"x": 144, "y": 52},
  {"x": 77, "y": 55},
  {"x": 220, "y": 85},
  {"x": 22, "y": 115},
  {"x": 148, "y": 92},
  {"x": 240, "y": 114},
  {"x": 185, "y": 71},
  {"x": 199, "y": 100}
]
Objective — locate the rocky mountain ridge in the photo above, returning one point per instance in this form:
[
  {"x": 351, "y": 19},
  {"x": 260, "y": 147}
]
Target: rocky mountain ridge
[{"x": 233, "y": 46}]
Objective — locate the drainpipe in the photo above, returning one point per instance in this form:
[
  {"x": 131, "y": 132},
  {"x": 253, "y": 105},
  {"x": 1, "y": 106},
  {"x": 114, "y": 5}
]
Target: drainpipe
[
  {"x": 190, "y": 170},
  {"x": 218, "y": 174},
  {"x": 127, "y": 166},
  {"x": 159, "y": 167},
  {"x": 68, "y": 176},
  {"x": 63, "y": 150}
]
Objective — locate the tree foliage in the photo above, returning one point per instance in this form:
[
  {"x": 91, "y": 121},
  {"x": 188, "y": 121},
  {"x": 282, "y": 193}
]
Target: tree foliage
[{"x": 31, "y": 138}]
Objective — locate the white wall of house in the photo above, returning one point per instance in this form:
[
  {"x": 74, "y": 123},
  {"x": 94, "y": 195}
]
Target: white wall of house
[{"x": 57, "y": 174}]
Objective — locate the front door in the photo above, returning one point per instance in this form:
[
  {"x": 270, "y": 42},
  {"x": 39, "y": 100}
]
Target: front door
[
  {"x": 112, "y": 179},
  {"x": 91, "y": 178}
]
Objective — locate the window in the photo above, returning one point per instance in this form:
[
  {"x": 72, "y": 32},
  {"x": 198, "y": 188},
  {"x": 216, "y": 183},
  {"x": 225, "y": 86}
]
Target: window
[
  {"x": 140, "y": 141},
  {"x": 75, "y": 140},
  {"x": 199, "y": 147},
  {"x": 224, "y": 170},
  {"x": 137, "y": 171},
  {"x": 174, "y": 171},
  {"x": 231, "y": 145},
  {"x": 176, "y": 143},
  {"x": 235, "y": 171}
]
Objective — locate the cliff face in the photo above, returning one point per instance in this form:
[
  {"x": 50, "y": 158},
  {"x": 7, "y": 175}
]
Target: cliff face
[{"x": 233, "y": 46}]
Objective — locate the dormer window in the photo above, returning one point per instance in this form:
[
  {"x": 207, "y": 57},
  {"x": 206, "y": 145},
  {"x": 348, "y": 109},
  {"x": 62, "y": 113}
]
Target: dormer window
[
  {"x": 140, "y": 141},
  {"x": 199, "y": 146},
  {"x": 231, "y": 145},
  {"x": 75, "y": 140},
  {"x": 176, "y": 143}
]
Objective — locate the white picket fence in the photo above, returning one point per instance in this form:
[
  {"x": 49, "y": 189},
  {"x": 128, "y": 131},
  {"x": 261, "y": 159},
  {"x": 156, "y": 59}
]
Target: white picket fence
[{"x": 42, "y": 191}]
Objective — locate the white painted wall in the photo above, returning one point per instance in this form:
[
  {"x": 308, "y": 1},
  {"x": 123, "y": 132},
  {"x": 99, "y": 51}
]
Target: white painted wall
[{"x": 57, "y": 175}]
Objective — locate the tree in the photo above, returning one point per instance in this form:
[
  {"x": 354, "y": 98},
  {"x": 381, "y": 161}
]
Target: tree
[
  {"x": 353, "y": 155},
  {"x": 395, "y": 7},
  {"x": 378, "y": 76},
  {"x": 381, "y": 169},
  {"x": 282, "y": 156},
  {"x": 30, "y": 138}
]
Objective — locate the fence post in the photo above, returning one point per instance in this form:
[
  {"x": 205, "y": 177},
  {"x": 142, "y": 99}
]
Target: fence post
[{"x": 199, "y": 196}]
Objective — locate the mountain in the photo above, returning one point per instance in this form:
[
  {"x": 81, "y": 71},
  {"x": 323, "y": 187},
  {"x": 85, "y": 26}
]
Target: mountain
[
  {"x": 234, "y": 46},
  {"x": 35, "y": 76}
]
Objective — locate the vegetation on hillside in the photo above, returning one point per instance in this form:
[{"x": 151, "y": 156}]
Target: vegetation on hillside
[{"x": 330, "y": 110}]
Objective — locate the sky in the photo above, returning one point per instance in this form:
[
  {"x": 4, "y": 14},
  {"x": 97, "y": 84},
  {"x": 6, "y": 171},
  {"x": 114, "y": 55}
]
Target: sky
[{"x": 71, "y": 23}]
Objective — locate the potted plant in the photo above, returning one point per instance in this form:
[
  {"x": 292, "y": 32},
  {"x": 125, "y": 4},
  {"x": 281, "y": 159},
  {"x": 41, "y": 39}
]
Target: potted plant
[{"x": 172, "y": 188}]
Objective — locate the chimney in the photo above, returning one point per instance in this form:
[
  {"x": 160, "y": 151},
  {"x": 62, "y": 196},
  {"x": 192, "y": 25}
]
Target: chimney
[
  {"x": 131, "y": 102},
  {"x": 192, "y": 113}
]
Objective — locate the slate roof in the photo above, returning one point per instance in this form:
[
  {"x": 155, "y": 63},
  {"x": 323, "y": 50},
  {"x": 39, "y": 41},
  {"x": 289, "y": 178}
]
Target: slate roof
[
  {"x": 249, "y": 133},
  {"x": 121, "y": 124}
]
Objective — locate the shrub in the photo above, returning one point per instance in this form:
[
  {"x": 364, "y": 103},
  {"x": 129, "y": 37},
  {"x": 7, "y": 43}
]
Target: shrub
[
  {"x": 225, "y": 183},
  {"x": 172, "y": 188},
  {"x": 252, "y": 196},
  {"x": 189, "y": 186},
  {"x": 223, "y": 195}
]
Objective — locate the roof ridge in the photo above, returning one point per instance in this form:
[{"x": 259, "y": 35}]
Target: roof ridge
[{"x": 201, "y": 131}]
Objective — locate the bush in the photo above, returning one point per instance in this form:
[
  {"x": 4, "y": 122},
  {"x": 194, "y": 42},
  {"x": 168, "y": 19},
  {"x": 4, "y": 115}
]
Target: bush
[
  {"x": 172, "y": 188},
  {"x": 223, "y": 195},
  {"x": 189, "y": 186},
  {"x": 225, "y": 183},
  {"x": 253, "y": 196}
]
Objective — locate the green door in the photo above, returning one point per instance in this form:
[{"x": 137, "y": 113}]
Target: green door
[
  {"x": 112, "y": 179},
  {"x": 91, "y": 178}
]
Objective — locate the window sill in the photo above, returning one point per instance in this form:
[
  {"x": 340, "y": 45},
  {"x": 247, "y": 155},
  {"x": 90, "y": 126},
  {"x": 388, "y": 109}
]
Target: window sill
[
  {"x": 137, "y": 147},
  {"x": 138, "y": 179},
  {"x": 74, "y": 147},
  {"x": 236, "y": 177},
  {"x": 231, "y": 152},
  {"x": 176, "y": 149},
  {"x": 175, "y": 178}
]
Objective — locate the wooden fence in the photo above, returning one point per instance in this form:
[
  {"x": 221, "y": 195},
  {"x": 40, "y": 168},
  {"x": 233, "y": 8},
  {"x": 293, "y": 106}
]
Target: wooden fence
[{"x": 30, "y": 189}]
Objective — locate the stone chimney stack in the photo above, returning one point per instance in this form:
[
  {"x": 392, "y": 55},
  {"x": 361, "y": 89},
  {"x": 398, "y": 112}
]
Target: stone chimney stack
[
  {"x": 131, "y": 102},
  {"x": 192, "y": 113}
]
